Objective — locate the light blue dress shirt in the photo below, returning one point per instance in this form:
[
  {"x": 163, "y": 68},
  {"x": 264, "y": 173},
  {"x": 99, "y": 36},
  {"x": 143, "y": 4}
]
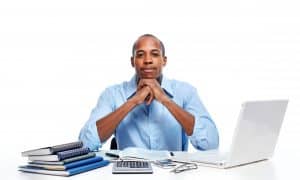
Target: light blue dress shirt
[{"x": 153, "y": 126}]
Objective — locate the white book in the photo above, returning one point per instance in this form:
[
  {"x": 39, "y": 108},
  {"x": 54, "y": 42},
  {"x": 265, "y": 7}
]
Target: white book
[
  {"x": 53, "y": 149},
  {"x": 60, "y": 155},
  {"x": 65, "y": 161},
  {"x": 140, "y": 153}
]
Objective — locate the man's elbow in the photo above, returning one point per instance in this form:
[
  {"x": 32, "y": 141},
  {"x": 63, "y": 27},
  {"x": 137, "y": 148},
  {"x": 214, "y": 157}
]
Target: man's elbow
[
  {"x": 214, "y": 145},
  {"x": 209, "y": 143},
  {"x": 214, "y": 141},
  {"x": 89, "y": 140},
  {"x": 208, "y": 146}
]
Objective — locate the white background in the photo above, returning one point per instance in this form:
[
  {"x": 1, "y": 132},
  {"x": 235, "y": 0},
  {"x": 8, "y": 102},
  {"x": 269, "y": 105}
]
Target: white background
[{"x": 56, "y": 57}]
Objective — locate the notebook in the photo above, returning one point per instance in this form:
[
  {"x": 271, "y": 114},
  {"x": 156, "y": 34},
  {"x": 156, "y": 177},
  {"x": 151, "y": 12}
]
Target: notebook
[
  {"x": 68, "y": 165},
  {"x": 60, "y": 155},
  {"x": 68, "y": 172},
  {"x": 254, "y": 139},
  {"x": 138, "y": 153},
  {"x": 65, "y": 161},
  {"x": 53, "y": 149}
]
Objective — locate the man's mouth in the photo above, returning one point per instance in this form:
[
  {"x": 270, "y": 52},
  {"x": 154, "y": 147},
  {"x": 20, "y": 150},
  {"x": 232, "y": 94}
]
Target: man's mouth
[{"x": 148, "y": 70}]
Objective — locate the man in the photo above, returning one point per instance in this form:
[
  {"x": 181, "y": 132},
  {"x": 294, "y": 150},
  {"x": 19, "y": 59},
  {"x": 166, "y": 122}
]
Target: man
[{"x": 150, "y": 111}]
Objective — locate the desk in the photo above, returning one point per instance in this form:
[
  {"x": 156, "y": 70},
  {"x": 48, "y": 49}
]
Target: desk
[{"x": 279, "y": 168}]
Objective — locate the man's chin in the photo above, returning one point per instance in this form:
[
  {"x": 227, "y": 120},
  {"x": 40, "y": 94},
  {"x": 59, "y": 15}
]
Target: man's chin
[{"x": 148, "y": 77}]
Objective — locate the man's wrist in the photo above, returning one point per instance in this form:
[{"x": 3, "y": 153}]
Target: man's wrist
[
  {"x": 132, "y": 102},
  {"x": 165, "y": 101}
]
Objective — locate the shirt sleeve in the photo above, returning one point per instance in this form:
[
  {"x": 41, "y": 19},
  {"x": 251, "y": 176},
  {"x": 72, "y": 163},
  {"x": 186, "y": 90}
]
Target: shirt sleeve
[
  {"x": 205, "y": 134},
  {"x": 89, "y": 134}
]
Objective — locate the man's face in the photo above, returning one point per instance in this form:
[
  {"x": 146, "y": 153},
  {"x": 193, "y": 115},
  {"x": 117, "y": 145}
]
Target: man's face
[{"x": 148, "y": 60}]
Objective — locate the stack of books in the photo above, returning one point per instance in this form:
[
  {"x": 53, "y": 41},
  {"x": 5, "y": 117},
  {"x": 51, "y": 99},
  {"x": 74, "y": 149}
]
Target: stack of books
[{"x": 62, "y": 160}]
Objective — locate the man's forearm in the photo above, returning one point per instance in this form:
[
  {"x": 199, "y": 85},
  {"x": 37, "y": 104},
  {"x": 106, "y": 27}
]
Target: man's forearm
[
  {"x": 107, "y": 125},
  {"x": 186, "y": 120}
]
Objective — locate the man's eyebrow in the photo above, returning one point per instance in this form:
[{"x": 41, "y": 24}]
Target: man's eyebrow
[
  {"x": 155, "y": 50},
  {"x": 142, "y": 51},
  {"x": 138, "y": 51}
]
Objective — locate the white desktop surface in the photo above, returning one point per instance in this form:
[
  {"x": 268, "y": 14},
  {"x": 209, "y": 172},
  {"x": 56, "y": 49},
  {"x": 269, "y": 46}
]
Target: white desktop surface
[{"x": 279, "y": 167}]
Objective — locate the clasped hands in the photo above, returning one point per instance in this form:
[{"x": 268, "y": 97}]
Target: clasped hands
[{"x": 148, "y": 90}]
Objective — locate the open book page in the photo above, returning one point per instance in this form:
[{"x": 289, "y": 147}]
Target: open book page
[
  {"x": 196, "y": 156},
  {"x": 140, "y": 153}
]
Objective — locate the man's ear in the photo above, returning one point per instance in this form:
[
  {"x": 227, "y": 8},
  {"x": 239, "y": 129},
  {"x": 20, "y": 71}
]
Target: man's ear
[
  {"x": 165, "y": 61},
  {"x": 132, "y": 61}
]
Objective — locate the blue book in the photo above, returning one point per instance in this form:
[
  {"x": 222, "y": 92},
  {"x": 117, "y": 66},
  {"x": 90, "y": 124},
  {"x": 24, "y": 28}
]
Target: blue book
[
  {"x": 68, "y": 165},
  {"x": 68, "y": 172}
]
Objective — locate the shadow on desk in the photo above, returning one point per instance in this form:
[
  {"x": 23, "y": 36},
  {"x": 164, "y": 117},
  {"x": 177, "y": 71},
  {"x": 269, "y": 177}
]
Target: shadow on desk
[{"x": 258, "y": 171}]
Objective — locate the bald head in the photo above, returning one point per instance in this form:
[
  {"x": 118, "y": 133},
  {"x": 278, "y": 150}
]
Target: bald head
[{"x": 162, "y": 47}]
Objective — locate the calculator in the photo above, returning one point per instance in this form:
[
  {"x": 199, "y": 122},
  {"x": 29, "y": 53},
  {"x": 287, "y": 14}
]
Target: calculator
[{"x": 132, "y": 167}]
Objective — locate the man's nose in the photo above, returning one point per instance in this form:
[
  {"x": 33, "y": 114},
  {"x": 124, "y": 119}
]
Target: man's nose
[{"x": 148, "y": 60}]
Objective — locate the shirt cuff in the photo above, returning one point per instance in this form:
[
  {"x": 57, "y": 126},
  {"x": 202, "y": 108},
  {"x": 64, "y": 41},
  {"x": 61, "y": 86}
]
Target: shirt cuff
[
  {"x": 205, "y": 135},
  {"x": 90, "y": 138}
]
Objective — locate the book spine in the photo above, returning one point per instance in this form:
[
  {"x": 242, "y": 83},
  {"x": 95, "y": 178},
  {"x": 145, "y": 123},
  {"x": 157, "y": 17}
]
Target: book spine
[
  {"x": 72, "y": 153},
  {"x": 83, "y": 162},
  {"x": 77, "y": 158},
  {"x": 65, "y": 147},
  {"x": 88, "y": 167},
  {"x": 69, "y": 172},
  {"x": 43, "y": 171}
]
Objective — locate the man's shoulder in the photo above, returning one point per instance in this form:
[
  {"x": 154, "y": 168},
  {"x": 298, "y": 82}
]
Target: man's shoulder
[
  {"x": 117, "y": 88},
  {"x": 179, "y": 88},
  {"x": 179, "y": 84}
]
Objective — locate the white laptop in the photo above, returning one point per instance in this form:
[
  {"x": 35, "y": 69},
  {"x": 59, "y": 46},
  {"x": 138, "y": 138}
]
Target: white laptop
[{"x": 254, "y": 138}]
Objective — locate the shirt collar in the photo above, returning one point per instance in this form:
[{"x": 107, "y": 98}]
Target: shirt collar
[
  {"x": 131, "y": 88},
  {"x": 165, "y": 84}
]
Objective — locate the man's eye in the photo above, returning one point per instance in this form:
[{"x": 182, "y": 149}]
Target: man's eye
[
  {"x": 155, "y": 54},
  {"x": 139, "y": 55}
]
